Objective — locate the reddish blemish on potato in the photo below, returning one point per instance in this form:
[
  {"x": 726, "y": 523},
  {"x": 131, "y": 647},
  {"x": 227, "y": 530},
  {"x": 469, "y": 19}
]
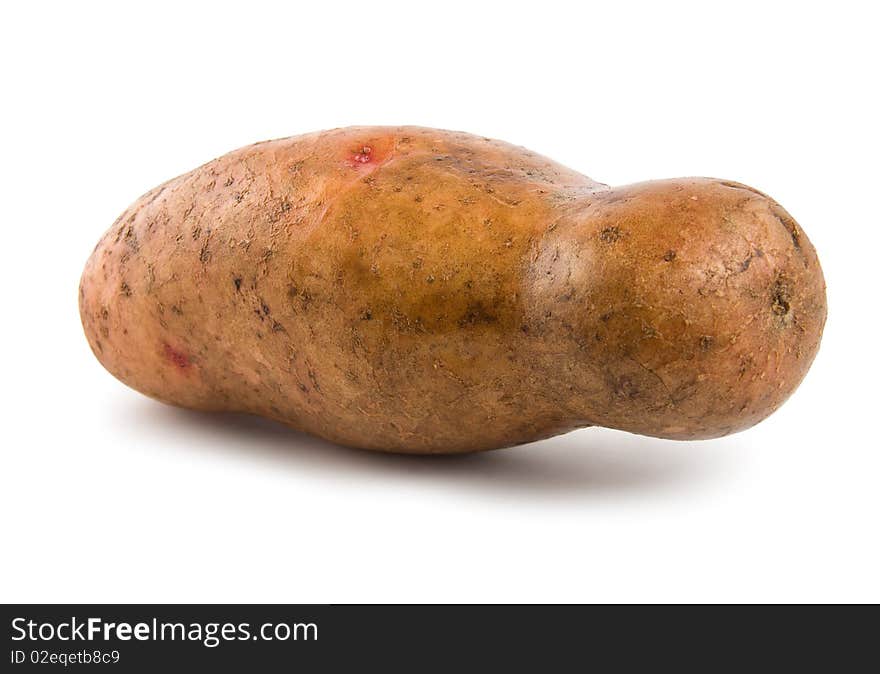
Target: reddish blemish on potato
[
  {"x": 368, "y": 154},
  {"x": 363, "y": 155},
  {"x": 360, "y": 156},
  {"x": 176, "y": 357}
]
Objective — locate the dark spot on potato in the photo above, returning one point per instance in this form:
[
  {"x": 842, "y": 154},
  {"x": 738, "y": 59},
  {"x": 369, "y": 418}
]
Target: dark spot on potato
[
  {"x": 366, "y": 315},
  {"x": 669, "y": 256},
  {"x": 706, "y": 342},
  {"x": 788, "y": 222},
  {"x": 314, "y": 379},
  {"x": 125, "y": 289},
  {"x": 611, "y": 234},
  {"x": 131, "y": 239},
  {"x": 625, "y": 387},
  {"x": 744, "y": 266},
  {"x": 476, "y": 314},
  {"x": 780, "y": 300},
  {"x": 282, "y": 207},
  {"x": 237, "y": 282}
]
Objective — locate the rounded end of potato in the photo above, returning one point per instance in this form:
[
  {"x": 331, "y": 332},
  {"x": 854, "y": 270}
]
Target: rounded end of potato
[{"x": 692, "y": 308}]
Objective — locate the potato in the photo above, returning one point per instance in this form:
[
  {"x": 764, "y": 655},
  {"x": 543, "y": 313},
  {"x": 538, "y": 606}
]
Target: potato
[{"x": 413, "y": 290}]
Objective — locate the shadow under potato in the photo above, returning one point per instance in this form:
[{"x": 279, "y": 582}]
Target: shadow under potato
[{"x": 587, "y": 461}]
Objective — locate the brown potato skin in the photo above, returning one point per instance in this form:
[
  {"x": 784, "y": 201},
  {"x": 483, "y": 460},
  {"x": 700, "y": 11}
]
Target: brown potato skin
[{"x": 414, "y": 290}]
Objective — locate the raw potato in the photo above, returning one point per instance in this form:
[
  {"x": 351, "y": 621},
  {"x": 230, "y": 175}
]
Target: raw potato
[{"x": 414, "y": 290}]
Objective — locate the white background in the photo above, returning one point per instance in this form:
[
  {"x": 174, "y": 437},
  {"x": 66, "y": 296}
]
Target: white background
[{"x": 108, "y": 496}]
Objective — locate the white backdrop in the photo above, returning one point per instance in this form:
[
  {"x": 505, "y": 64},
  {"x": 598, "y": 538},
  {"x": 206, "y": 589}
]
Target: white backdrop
[{"x": 108, "y": 496}]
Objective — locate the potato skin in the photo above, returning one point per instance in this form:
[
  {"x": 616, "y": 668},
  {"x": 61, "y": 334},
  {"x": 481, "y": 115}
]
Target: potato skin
[{"x": 415, "y": 290}]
